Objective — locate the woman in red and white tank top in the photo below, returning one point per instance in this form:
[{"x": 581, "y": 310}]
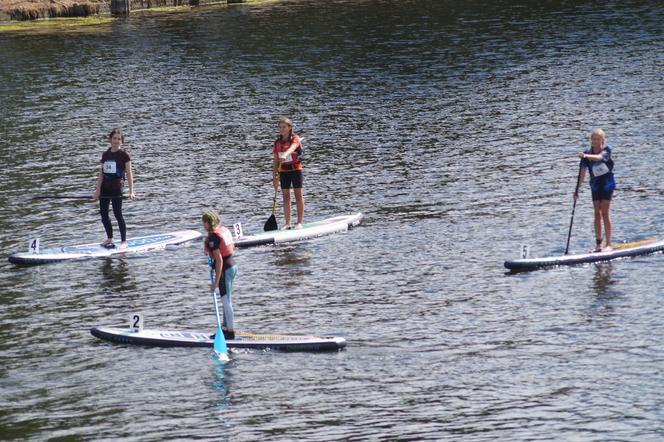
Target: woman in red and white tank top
[{"x": 287, "y": 165}]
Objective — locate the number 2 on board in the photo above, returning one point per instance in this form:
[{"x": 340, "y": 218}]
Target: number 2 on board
[{"x": 136, "y": 322}]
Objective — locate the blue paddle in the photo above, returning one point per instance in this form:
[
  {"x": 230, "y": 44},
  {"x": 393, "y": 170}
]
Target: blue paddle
[{"x": 220, "y": 347}]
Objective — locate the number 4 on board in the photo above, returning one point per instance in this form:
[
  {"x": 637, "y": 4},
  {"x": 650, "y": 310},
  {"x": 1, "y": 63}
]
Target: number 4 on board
[{"x": 34, "y": 246}]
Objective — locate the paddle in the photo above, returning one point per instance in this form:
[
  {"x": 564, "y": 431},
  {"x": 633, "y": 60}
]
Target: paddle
[
  {"x": 71, "y": 197},
  {"x": 576, "y": 192},
  {"x": 220, "y": 347},
  {"x": 271, "y": 223}
]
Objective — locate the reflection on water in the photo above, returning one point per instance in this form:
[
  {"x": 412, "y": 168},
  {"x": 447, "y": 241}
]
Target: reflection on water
[
  {"x": 222, "y": 378},
  {"x": 608, "y": 299},
  {"x": 116, "y": 276},
  {"x": 602, "y": 280}
]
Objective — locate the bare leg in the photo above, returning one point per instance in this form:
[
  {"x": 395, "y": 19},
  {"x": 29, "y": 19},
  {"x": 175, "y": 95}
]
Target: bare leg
[
  {"x": 299, "y": 201},
  {"x": 605, "y": 205},
  {"x": 598, "y": 225},
  {"x": 287, "y": 203}
]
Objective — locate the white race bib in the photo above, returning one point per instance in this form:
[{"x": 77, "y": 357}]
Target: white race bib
[
  {"x": 227, "y": 237},
  {"x": 600, "y": 169},
  {"x": 286, "y": 159},
  {"x": 110, "y": 167}
]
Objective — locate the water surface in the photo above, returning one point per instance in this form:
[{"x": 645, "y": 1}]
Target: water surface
[{"x": 453, "y": 127}]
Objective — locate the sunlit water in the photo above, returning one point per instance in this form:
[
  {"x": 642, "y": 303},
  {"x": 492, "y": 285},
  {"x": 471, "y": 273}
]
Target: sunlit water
[{"x": 453, "y": 128}]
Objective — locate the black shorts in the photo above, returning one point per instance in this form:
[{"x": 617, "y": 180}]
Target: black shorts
[
  {"x": 602, "y": 195},
  {"x": 290, "y": 179}
]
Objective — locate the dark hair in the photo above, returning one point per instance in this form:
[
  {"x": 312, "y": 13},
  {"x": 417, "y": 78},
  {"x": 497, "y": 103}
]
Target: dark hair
[
  {"x": 118, "y": 131},
  {"x": 287, "y": 121}
]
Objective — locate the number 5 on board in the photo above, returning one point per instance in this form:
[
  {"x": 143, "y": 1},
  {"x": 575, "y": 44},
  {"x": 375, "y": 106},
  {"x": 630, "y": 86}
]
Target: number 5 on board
[{"x": 525, "y": 251}]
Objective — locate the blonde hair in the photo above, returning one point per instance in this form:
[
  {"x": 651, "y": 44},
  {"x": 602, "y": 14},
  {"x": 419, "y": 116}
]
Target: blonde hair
[
  {"x": 212, "y": 218},
  {"x": 599, "y": 132}
]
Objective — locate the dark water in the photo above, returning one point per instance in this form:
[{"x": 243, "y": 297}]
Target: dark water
[{"x": 451, "y": 125}]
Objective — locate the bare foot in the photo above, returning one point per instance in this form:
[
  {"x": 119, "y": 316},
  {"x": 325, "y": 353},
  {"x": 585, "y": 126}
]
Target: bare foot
[
  {"x": 298, "y": 226},
  {"x": 108, "y": 242},
  {"x": 123, "y": 245},
  {"x": 608, "y": 248},
  {"x": 287, "y": 227}
]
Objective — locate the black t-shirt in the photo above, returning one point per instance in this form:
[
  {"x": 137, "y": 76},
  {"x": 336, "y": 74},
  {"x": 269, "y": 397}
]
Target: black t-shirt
[{"x": 113, "y": 166}]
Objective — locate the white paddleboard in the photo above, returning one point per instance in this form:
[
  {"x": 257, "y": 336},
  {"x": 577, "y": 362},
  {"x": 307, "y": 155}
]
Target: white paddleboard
[
  {"x": 315, "y": 229},
  {"x": 628, "y": 250},
  {"x": 243, "y": 339},
  {"x": 139, "y": 244}
]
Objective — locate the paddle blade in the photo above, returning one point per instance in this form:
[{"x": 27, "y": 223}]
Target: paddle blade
[
  {"x": 271, "y": 224},
  {"x": 220, "y": 343}
]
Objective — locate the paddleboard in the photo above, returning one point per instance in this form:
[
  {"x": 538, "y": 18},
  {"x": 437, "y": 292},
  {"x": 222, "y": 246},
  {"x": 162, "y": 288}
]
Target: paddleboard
[
  {"x": 140, "y": 244},
  {"x": 243, "y": 339},
  {"x": 627, "y": 250},
  {"x": 309, "y": 230}
]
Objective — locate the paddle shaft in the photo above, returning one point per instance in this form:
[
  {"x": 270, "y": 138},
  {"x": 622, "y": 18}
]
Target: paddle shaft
[
  {"x": 214, "y": 297},
  {"x": 219, "y": 338},
  {"x": 276, "y": 193},
  {"x": 73, "y": 197},
  {"x": 571, "y": 221}
]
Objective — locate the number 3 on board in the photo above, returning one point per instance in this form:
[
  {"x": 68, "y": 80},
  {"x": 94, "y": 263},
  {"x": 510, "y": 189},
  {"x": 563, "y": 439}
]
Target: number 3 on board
[
  {"x": 34, "y": 246},
  {"x": 136, "y": 322},
  {"x": 237, "y": 228}
]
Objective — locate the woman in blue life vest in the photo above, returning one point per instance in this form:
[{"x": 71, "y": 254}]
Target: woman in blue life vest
[
  {"x": 287, "y": 165},
  {"x": 115, "y": 165},
  {"x": 599, "y": 164}
]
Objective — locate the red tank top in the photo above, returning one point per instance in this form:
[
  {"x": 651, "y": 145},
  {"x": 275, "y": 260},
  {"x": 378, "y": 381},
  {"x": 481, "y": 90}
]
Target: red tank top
[{"x": 226, "y": 245}]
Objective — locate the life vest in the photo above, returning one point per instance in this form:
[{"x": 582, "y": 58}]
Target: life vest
[
  {"x": 294, "y": 162},
  {"x": 226, "y": 246}
]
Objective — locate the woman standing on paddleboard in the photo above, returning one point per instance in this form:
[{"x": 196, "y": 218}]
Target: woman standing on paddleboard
[
  {"x": 115, "y": 165},
  {"x": 597, "y": 160},
  {"x": 287, "y": 165},
  {"x": 219, "y": 247}
]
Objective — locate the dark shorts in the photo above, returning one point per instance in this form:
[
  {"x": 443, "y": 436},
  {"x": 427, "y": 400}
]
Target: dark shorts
[
  {"x": 602, "y": 195},
  {"x": 110, "y": 193},
  {"x": 290, "y": 179}
]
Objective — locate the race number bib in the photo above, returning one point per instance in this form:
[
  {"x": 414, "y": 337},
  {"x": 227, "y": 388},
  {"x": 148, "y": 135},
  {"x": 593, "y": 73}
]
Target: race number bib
[
  {"x": 110, "y": 167},
  {"x": 600, "y": 169},
  {"x": 227, "y": 237},
  {"x": 286, "y": 159}
]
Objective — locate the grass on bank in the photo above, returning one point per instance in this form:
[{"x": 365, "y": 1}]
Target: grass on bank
[
  {"x": 59, "y": 23},
  {"x": 40, "y": 13}
]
